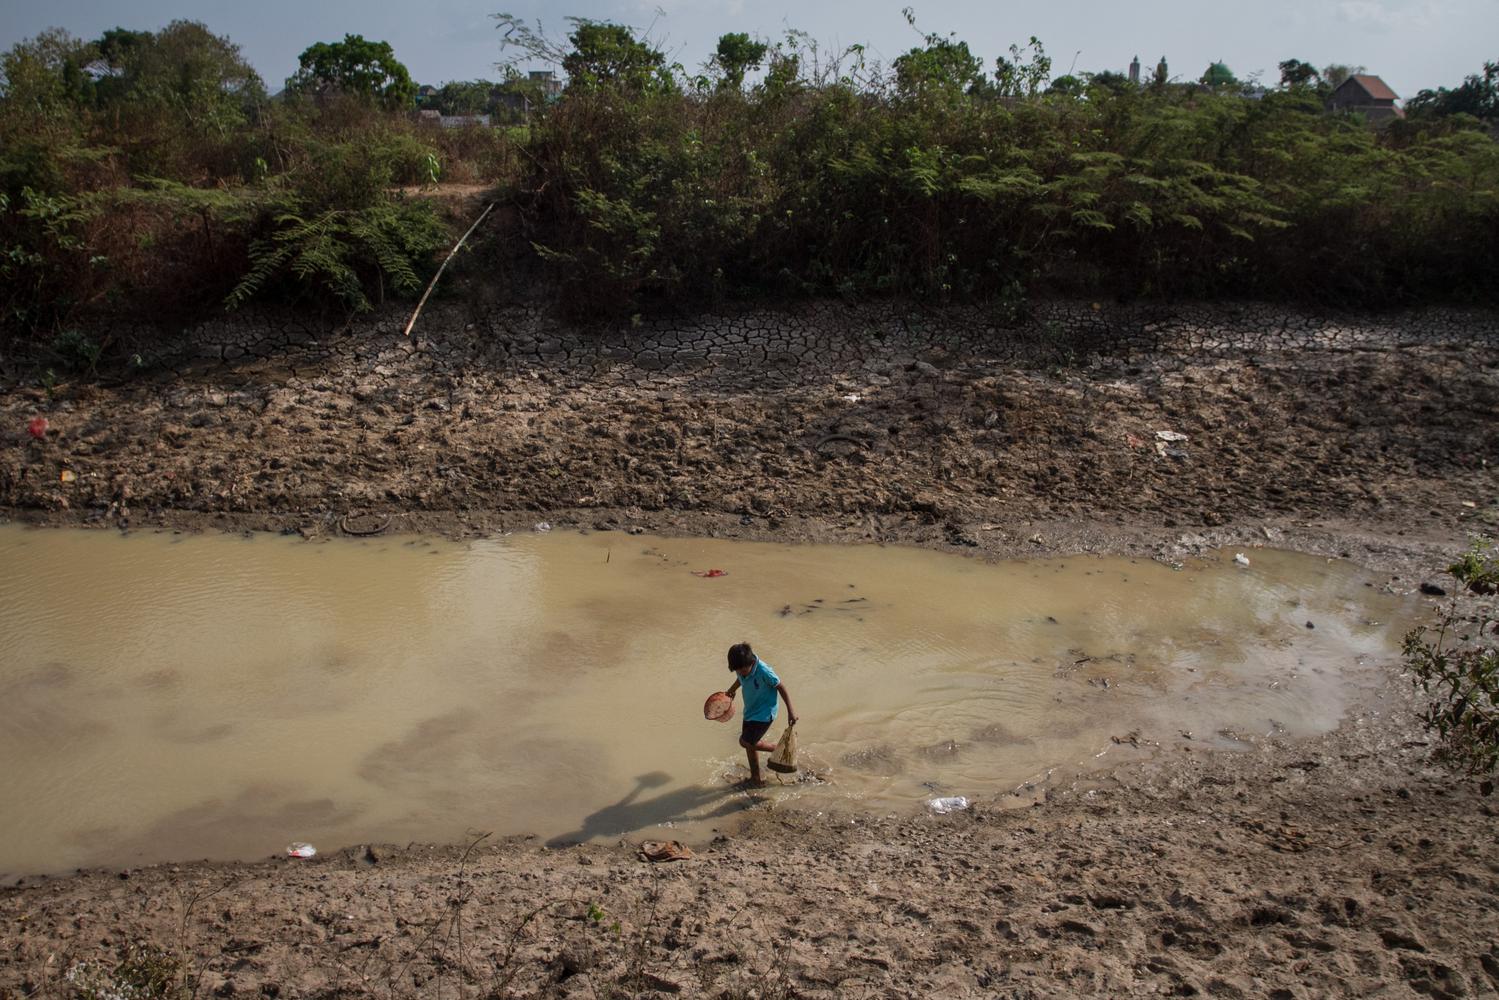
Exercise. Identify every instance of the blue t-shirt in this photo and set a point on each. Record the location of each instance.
(760, 693)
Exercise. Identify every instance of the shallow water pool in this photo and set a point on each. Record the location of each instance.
(168, 696)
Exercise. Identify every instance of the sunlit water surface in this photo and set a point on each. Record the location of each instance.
(176, 696)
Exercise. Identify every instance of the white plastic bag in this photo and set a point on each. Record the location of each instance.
(784, 757)
(951, 803)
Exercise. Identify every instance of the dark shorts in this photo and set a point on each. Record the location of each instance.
(754, 732)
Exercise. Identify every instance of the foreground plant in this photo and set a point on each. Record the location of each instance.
(1456, 663)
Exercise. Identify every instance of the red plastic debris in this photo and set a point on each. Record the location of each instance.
(37, 428)
(710, 573)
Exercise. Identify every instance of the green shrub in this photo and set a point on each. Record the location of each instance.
(1461, 674)
(345, 256)
(1478, 568)
(1457, 664)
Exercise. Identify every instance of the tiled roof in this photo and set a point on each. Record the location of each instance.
(1375, 87)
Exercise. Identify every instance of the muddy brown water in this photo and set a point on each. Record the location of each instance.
(170, 696)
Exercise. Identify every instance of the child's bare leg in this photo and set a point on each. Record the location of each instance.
(754, 761)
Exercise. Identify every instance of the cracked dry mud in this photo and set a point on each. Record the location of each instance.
(1346, 865)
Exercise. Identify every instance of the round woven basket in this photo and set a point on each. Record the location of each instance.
(719, 707)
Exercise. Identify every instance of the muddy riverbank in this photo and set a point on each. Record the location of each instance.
(1346, 865)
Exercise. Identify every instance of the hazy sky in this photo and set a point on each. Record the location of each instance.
(1412, 44)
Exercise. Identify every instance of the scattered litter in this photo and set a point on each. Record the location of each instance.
(363, 525)
(710, 574)
(852, 397)
(1469, 504)
(542, 527)
(300, 850)
(1241, 559)
(719, 707)
(67, 476)
(37, 428)
(946, 804)
(1172, 436)
(664, 850)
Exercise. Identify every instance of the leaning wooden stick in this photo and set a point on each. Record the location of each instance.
(451, 254)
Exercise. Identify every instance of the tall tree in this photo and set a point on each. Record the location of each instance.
(605, 55)
(1295, 73)
(184, 66)
(43, 76)
(941, 66)
(1478, 95)
(1023, 75)
(1336, 74)
(736, 55)
(365, 69)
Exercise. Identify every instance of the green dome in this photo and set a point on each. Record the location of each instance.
(1219, 75)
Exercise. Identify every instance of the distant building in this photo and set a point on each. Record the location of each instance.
(546, 81)
(1134, 71)
(465, 121)
(1219, 75)
(1366, 94)
(431, 116)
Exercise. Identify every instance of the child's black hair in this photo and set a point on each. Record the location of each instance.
(741, 656)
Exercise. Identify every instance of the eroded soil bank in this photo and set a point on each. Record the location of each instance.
(1349, 865)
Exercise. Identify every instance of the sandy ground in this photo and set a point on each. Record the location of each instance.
(1350, 865)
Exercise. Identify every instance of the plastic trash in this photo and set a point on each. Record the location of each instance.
(710, 574)
(543, 527)
(67, 476)
(664, 850)
(946, 804)
(300, 850)
(1241, 559)
(37, 428)
(718, 708)
(1170, 436)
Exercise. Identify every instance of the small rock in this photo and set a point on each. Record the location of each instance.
(1310, 625)
(1433, 588)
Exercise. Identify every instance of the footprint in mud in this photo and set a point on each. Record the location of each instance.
(881, 760)
(1433, 978)
(1191, 938)
(997, 734)
(946, 750)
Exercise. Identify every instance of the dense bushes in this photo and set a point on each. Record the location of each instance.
(148, 175)
(1456, 664)
(134, 189)
(943, 193)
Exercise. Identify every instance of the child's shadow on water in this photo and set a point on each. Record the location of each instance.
(631, 813)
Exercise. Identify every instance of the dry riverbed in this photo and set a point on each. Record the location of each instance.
(1348, 865)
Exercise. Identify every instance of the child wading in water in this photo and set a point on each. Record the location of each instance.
(760, 685)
